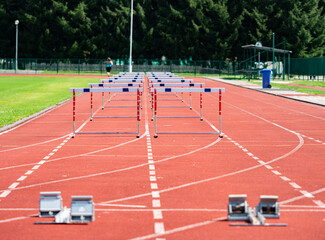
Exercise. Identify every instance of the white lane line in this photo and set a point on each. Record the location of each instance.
(250, 154)
(268, 167)
(41, 162)
(156, 203)
(47, 157)
(150, 161)
(5, 193)
(295, 185)
(153, 185)
(155, 194)
(307, 194)
(55, 150)
(256, 158)
(153, 178)
(22, 178)
(152, 167)
(276, 172)
(319, 203)
(261, 162)
(245, 150)
(159, 228)
(59, 147)
(285, 178)
(52, 153)
(36, 167)
(29, 172)
(14, 185)
(152, 172)
(157, 214)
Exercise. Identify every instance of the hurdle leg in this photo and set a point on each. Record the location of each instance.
(220, 132)
(103, 101)
(109, 97)
(152, 106)
(201, 101)
(74, 113)
(138, 112)
(91, 104)
(190, 100)
(155, 136)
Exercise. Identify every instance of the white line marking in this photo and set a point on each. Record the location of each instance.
(318, 141)
(52, 153)
(155, 194)
(245, 150)
(22, 178)
(153, 178)
(62, 144)
(152, 167)
(256, 158)
(152, 172)
(14, 185)
(307, 194)
(295, 185)
(276, 172)
(150, 161)
(159, 228)
(268, 166)
(55, 150)
(153, 185)
(156, 203)
(41, 162)
(150, 158)
(29, 172)
(47, 157)
(285, 178)
(5, 193)
(59, 147)
(157, 214)
(261, 162)
(319, 203)
(250, 154)
(36, 167)
(121, 205)
(301, 197)
(149, 150)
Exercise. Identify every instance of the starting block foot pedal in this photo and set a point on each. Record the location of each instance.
(50, 204)
(238, 209)
(82, 209)
(268, 206)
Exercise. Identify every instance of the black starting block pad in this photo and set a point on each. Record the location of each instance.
(238, 209)
(268, 206)
(50, 204)
(82, 209)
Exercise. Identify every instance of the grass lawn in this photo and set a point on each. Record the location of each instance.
(21, 96)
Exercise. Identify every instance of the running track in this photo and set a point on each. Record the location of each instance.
(173, 186)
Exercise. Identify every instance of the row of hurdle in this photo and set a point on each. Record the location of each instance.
(158, 83)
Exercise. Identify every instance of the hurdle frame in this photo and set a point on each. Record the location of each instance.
(192, 90)
(92, 90)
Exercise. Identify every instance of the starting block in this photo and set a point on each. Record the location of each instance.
(81, 212)
(50, 204)
(268, 206)
(238, 209)
(82, 209)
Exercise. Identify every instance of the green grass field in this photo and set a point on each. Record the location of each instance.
(21, 97)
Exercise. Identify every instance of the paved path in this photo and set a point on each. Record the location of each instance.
(287, 93)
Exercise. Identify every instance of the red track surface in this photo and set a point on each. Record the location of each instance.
(191, 175)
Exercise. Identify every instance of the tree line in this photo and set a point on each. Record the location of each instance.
(197, 29)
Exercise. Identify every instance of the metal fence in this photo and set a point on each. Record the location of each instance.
(306, 68)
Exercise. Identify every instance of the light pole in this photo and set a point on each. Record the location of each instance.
(131, 33)
(16, 60)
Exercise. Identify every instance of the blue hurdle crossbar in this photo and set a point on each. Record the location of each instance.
(192, 90)
(130, 89)
(171, 80)
(122, 81)
(177, 84)
(115, 84)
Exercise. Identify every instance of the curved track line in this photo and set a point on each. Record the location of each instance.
(301, 197)
(180, 229)
(115, 171)
(79, 155)
(34, 144)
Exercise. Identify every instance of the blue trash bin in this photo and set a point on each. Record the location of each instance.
(266, 76)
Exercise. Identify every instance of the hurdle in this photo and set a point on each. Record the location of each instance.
(191, 90)
(155, 85)
(101, 90)
(117, 84)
